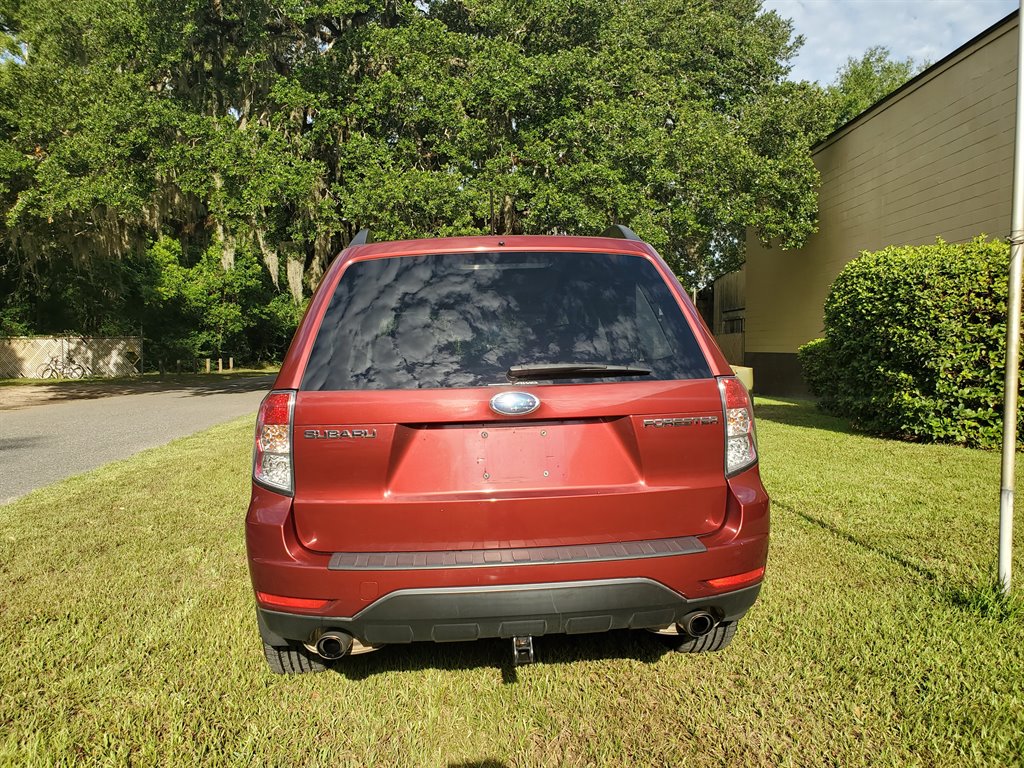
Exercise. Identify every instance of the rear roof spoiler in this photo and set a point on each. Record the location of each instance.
(622, 232)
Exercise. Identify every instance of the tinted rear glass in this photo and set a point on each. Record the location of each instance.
(461, 320)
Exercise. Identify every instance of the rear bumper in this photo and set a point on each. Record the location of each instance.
(470, 613)
(404, 597)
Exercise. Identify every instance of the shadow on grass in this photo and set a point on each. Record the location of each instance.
(800, 413)
(497, 653)
(894, 557)
(479, 764)
(987, 600)
(188, 384)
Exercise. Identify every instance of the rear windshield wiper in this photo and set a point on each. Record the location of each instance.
(574, 370)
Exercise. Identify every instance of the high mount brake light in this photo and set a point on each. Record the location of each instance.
(272, 455)
(740, 442)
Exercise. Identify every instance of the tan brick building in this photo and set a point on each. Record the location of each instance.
(933, 159)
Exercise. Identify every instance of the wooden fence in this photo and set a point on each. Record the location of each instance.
(731, 345)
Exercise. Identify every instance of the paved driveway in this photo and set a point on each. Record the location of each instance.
(47, 434)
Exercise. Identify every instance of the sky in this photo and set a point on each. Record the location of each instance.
(925, 30)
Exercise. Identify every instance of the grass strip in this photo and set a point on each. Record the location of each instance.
(128, 637)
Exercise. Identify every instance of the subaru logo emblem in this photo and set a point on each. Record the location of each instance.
(514, 403)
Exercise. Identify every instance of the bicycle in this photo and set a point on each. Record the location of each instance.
(62, 368)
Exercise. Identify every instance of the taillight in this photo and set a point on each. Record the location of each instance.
(740, 445)
(272, 457)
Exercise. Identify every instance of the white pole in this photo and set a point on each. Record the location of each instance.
(1013, 331)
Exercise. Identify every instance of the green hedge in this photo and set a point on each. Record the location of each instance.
(915, 343)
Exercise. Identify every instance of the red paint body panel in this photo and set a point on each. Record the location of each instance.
(279, 564)
(437, 469)
(608, 478)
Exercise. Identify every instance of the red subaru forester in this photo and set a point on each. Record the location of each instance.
(502, 437)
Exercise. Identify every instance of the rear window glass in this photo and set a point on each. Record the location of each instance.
(461, 320)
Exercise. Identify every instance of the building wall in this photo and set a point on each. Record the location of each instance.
(933, 160)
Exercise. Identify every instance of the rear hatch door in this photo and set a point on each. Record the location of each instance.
(398, 449)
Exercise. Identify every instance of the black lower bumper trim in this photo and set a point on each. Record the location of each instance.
(469, 558)
(469, 613)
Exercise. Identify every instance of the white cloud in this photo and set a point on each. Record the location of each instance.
(925, 30)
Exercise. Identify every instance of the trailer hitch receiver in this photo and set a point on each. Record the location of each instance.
(522, 650)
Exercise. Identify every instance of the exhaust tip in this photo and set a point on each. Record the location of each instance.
(698, 623)
(333, 644)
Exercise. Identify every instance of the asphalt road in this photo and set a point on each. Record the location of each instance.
(47, 441)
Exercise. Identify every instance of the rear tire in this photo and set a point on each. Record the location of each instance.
(715, 640)
(292, 659)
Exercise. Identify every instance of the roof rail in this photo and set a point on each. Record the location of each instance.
(362, 237)
(622, 232)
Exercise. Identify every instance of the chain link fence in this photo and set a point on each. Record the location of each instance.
(37, 357)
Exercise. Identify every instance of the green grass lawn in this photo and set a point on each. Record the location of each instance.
(128, 635)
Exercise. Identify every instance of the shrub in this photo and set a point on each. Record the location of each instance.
(915, 342)
(815, 360)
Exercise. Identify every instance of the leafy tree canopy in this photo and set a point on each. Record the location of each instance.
(859, 83)
(275, 129)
